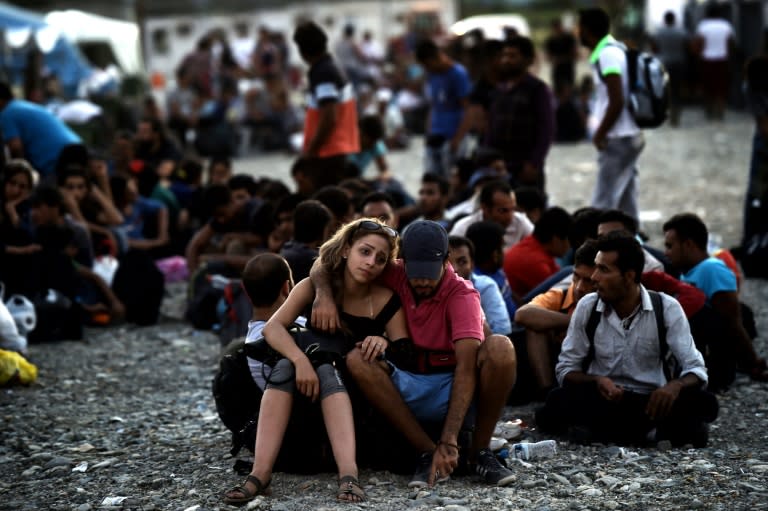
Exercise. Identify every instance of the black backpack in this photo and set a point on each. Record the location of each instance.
(305, 448)
(648, 87)
(237, 396)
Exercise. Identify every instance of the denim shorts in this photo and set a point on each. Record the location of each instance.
(427, 395)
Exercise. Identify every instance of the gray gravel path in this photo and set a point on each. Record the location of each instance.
(127, 414)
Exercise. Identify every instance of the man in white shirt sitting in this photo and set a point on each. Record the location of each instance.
(616, 384)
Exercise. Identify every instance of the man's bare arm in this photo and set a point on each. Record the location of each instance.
(325, 314)
(612, 113)
(463, 390)
(539, 319)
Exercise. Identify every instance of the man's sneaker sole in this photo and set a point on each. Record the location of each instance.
(506, 481)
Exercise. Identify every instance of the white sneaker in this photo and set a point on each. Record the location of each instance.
(509, 430)
(496, 443)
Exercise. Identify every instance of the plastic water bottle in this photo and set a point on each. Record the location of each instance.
(533, 451)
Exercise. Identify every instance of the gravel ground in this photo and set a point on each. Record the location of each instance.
(127, 413)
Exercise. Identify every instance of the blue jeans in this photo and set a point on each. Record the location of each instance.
(438, 159)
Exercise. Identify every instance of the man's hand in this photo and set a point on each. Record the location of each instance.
(306, 378)
(609, 390)
(600, 140)
(325, 315)
(662, 400)
(445, 459)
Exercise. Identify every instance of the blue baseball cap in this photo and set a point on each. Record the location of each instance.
(424, 249)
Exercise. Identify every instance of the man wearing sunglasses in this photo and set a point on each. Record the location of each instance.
(453, 372)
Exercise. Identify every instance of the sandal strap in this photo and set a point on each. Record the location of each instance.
(349, 480)
(348, 485)
(260, 487)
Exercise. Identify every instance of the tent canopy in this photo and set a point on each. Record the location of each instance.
(23, 31)
(121, 36)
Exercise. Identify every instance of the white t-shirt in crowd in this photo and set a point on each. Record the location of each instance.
(715, 33)
(612, 57)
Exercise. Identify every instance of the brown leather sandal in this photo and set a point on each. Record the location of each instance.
(247, 495)
(350, 490)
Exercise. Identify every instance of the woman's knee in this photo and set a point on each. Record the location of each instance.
(282, 377)
(330, 380)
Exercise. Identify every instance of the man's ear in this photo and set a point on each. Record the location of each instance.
(286, 289)
(629, 276)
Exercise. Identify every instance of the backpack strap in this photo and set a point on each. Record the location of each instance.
(562, 300)
(590, 329)
(658, 310)
(631, 64)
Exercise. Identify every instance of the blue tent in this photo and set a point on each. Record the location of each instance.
(62, 59)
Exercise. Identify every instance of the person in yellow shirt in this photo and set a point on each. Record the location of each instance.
(546, 317)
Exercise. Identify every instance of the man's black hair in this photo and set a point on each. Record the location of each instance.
(47, 195)
(585, 222)
(377, 197)
(616, 215)
(442, 183)
(156, 125)
(484, 156)
(310, 39)
(462, 241)
(585, 254)
(530, 197)
(713, 11)
(272, 190)
(595, 20)
(523, 44)
(491, 188)
(215, 197)
(243, 182)
(426, 50)
(356, 188)
(688, 226)
(335, 199)
(223, 160)
(301, 166)
(189, 171)
(6, 94)
(630, 253)
(492, 49)
(554, 222)
(310, 218)
(371, 126)
(263, 278)
(72, 171)
(669, 18)
(488, 238)
(288, 203)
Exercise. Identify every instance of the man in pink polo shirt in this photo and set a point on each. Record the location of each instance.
(454, 365)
